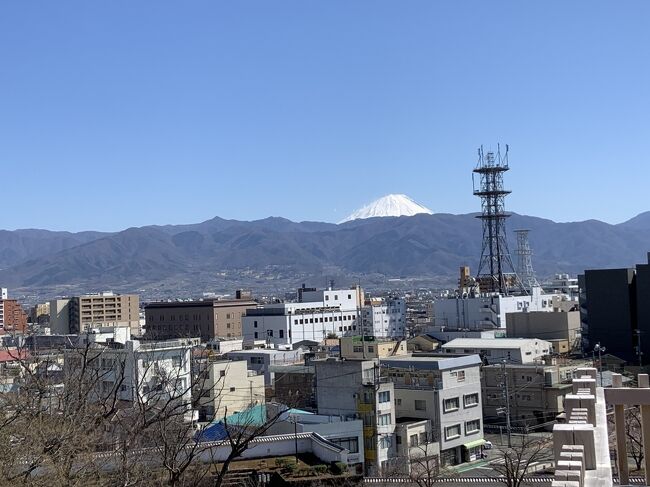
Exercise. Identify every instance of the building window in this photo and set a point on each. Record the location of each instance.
(384, 396)
(451, 404)
(256, 335)
(357, 349)
(327, 298)
(420, 405)
(232, 389)
(222, 373)
(281, 333)
(371, 349)
(452, 432)
(398, 401)
(295, 322)
(470, 400)
(270, 332)
(413, 440)
(473, 426)
(385, 442)
(350, 444)
(255, 323)
(383, 419)
(349, 296)
(461, 376)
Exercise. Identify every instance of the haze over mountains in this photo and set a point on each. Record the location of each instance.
(420, 245)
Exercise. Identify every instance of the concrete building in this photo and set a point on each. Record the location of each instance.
(295, 385)
(495, 350)
(261, 360)
(423, 343)
(487, 311)
(342, 431)
(418, 453)
(547, 326)
(82, 313)
(231, 388)
(12, 316)
(354, 389)
(141, 371)
(447, 392)
(318, 315)
(353, 348)
(39, 314)
(563, 284)
(615, 311)
(536, 392)
(384, 318)
(446, 334)
(209, 319)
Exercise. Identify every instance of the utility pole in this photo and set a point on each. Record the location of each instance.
(506, 388)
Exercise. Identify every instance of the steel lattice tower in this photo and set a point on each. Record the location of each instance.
(524, 261)
(495, 271)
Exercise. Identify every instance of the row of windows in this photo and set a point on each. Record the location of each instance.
(471, 427)
(327, 319)
(453, 403)
(336, 297)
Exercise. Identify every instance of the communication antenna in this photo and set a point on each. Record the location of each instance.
(495, 271)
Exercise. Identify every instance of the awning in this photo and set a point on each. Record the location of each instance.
(474, 444)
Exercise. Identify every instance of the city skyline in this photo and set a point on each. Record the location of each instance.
(310, 112)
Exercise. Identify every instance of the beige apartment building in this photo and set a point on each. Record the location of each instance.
(231, 388)
(83, 313)
(209, 319)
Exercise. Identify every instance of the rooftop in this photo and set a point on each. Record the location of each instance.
(213, 303)
(431, 362)
(492, 342)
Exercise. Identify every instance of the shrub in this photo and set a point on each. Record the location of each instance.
(290, 467)
(320, 469)
(281, 462)
(303, 472)
(339, 468)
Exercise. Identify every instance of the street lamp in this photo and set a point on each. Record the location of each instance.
(598, 349)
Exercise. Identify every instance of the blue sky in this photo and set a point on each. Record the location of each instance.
(169, 112)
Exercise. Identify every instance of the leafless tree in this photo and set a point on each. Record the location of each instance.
(513, 463)
(75, 424)
(633, 435)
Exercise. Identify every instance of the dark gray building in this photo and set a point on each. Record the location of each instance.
(615, 311)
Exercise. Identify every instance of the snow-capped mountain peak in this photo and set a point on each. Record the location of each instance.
(389, 205)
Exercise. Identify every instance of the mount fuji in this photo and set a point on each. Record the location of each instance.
(389, 205)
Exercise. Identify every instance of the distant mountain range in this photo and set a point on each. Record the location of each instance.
(420, 245)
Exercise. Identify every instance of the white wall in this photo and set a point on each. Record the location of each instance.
(486, 312)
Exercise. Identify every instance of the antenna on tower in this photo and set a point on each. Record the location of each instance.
(495, 271)
(524, 261)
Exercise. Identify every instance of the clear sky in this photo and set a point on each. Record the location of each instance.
(126, 113)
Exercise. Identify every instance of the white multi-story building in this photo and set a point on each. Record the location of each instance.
(384, 318)
(563, 283)
(496, 350)
(3, 296)
(139, 371)
(447, 392)
(487, 311)
(317, 315)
